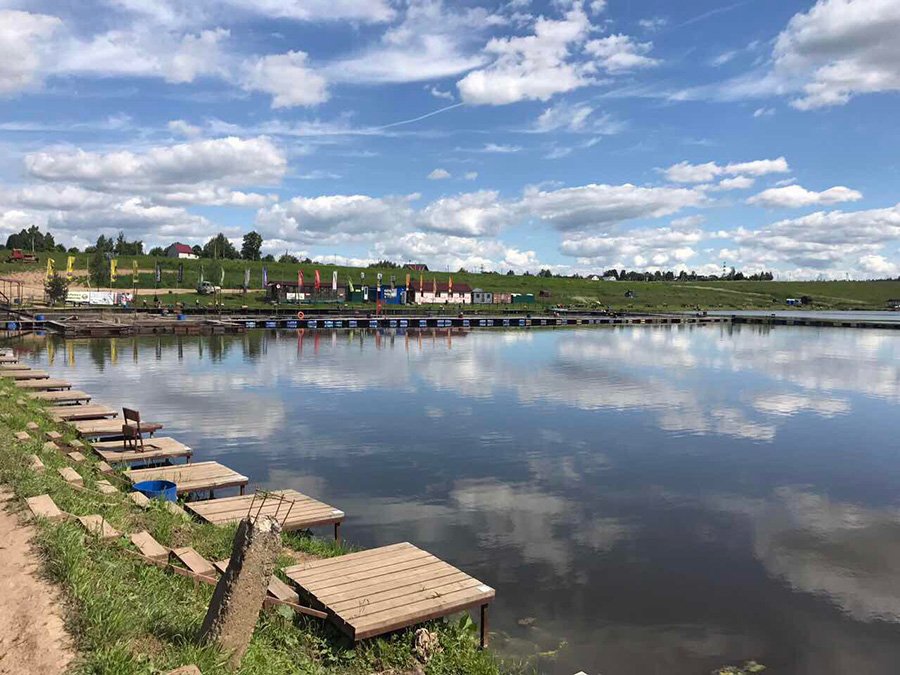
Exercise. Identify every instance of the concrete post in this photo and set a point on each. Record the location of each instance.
(241, 591)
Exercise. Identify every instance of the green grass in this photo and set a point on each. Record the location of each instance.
(650, 296)
(130, 617)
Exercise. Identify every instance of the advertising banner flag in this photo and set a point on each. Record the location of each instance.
(334, 280)
(299, 281)
(70, 267)
(265, 276)
(49, 267)
(450, 286)
(180, 272)
(158, 272)
(113, 270)
(318, 280)
(134, 272)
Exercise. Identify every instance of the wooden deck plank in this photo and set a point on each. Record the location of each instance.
(43, 506)
(195, 477)
(25, 374)
(71, 396)
(5, 365)
(100, 428)
(47, 384)
(153, 449)
(381, 590)
(66, 413)
(305, 511)
(195, 562)
(97, 525)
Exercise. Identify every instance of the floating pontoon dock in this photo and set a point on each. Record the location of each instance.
(197, 477)
(26, 374)
(72, 396)
(67, 413)
(5, 367)
(105, 428)
(295, 511)
(43, 385)
(154, 449)
(384, 589)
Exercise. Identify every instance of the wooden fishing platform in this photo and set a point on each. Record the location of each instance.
(196, 477)
(26, 374)
(388, 588)
(154, 449)
(8, 359)
(71, 396)
(66, 413)
(295, 511)
(48, 384)
(106, 428)
(4, 366)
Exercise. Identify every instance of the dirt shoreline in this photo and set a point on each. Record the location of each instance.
(33, 637)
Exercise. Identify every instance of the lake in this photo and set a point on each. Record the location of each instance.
(644, 499)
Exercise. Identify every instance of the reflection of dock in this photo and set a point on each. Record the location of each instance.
(813, 321)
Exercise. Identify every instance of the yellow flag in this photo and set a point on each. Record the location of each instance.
(134, 272)
(70, 353)
(113, 350)
(51, 351)
(70, 267)
(49, 267)
(113, 270)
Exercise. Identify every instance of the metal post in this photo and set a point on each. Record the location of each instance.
(484, 626)
(337, 533)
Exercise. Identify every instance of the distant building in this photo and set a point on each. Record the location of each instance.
(177, 250)
(894, 303)
(523, 298)
(480, 297)
(794, 302)
(289, 291)
(441, 294)
(416, 267)
(593, 277)
(610, 277)
(502, 298)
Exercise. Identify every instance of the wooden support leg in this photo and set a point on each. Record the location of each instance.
(484, 626)
(242, 489)
(337, 533)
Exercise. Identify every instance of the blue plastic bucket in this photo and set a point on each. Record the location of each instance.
(39, 317)
(158, 489)
(181, 317)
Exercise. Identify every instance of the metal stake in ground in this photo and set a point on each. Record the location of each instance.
(241, 591)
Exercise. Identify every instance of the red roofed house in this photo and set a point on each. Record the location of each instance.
(177, 250)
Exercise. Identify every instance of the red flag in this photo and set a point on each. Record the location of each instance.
(318, 280)
(450, 286)
(299, 281)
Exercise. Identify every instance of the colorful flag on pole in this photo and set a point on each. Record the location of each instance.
(334, 280)
(180, 272)
(265, 276)
(49, 268)
(201, 274)
(113, 270)
(421, 282)
(222, 276)
(450, 286)
(158, 272)
(407, 281)
(434, 285)
(350, 284)
(300, 281)
(318, 280)
(246, 278)
(70, 267)
(134, 272)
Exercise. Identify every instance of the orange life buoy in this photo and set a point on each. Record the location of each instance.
(300, 315)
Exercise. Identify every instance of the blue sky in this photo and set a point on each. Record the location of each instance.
(499, 135)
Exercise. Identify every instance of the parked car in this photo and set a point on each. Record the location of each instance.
(208, 288)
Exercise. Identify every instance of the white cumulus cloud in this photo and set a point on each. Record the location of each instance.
(795, 196)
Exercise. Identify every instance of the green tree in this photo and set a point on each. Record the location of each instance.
(31, 239)
(56, 288)
(125, 247)
(219, 247)
(98, 267)
(251, 246)
(157, 251)
(288, 258)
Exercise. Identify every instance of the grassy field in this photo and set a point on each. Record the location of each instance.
(129, 617)
(575, 293)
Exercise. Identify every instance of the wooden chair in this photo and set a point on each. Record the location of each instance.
(132, 435)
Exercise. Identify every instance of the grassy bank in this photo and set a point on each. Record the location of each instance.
(648, 296)
(130, 617)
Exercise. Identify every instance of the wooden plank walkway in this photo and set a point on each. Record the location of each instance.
(46, 384)
(8, 359)
(384, 589)
(4, 366)
(106, 428)
(71, 396)
(153, 449)
(303, 513)
(26, 374)
(64, 413)
(197, 477)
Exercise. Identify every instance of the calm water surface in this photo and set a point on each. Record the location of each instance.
(644, 500)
